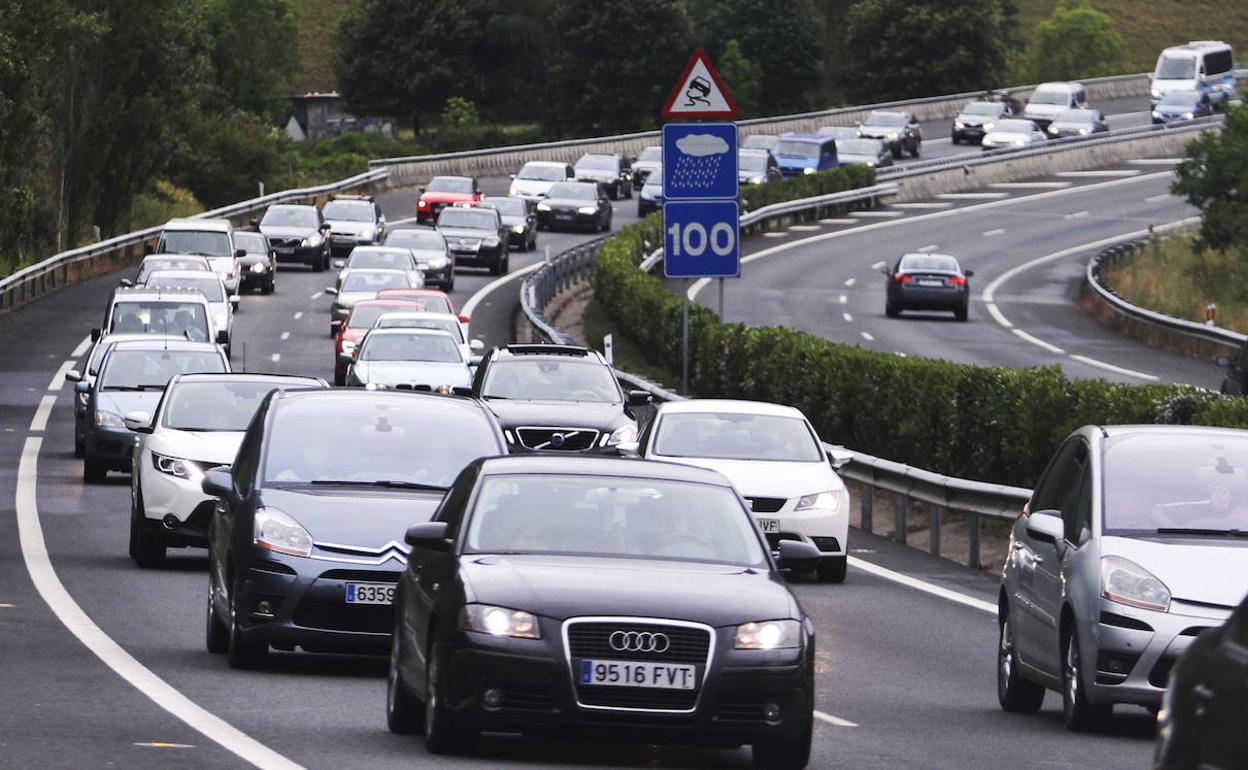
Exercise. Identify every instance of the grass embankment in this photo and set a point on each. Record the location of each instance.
(1172, 278)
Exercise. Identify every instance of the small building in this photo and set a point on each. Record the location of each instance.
(321, 115)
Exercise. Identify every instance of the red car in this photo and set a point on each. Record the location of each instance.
(432, 300)
(363, 315)
(444, 191)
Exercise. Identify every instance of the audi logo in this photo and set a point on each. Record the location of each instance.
(639, 641)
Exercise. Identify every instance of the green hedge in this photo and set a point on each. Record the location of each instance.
(809, 186)
(994, 424)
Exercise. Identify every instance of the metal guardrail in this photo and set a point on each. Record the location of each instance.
(544, 284)
(63, 268)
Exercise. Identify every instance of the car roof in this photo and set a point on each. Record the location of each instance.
(213, 225)
(118, 337)
(406, 330)
(421, 314)
(416, 399)
(172, 255)
(163, 342)
(556, 163)
(375, 248)
(375, 270)
(1113, 431)
(244, 377)
(547, 352)
(452, 176)
(147, 294)
(587, 465)
(198, 275)
(917, 254)
(384, 301)
(729, 406)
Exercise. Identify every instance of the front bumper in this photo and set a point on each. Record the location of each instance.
(341, 243)
(441, 277)
(110, 446)
(251, 279)
(178, 506)
(556, 218)
(969, 133)
(306, 255)
(478, 257)
(827, 530)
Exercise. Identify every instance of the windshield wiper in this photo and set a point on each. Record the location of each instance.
(129, 388)
(1202, 531)
(383, 483)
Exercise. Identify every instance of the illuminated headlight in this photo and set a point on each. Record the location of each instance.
(1083, 132)
(517, 229)
(1188, 115)
(306, 242)
(173, 466)
(959, 124)
(1020, 143)
(769, 635)
(988, 126)
(808, 170)
(275, 531)
(1126, 582)
(1053, 129)
(893, 135)
(437, 263)
(376, 386)
(626, 434)
(499, 621)
(422, 204)
(366, 234)
(1156, 93)
(1156, 114)
(819, 501)
(543, 206)
(490, 243)
(587, 210)
(108, 419)
(259, 267)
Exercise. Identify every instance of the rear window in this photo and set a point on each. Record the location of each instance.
(184, 319)
(914, 262)
(152, 369)
(373, 281)
(451, 184)
(209, 286)
(982, 108)
(473, 219)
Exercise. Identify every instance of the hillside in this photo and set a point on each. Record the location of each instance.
(318, 26)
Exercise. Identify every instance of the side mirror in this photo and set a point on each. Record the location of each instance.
(638, 398)
(968, 273)
(340, 264)
(223, 337)
(218, 483)
(95, 335)
(1046, 526)
(234, 300)
(839, 457)
(82, 387)
(430, 534)
(73, 375)
(346, 358)
(331, 291)
(139, 422)
(1222, 361)
(797, 555)
(240, 253)
(476, 345)
(127, 282)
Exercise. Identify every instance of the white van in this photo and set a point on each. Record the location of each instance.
(1203, 65)
(1052, 99)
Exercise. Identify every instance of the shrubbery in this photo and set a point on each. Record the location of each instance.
(847, 178)
(994, 424)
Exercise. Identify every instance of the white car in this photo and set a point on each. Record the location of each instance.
(536, 178)
(408, 358)
(1013, 133)
(423, 319)
(774, 458)
(198, 425)
(220, 304)
(209, 238)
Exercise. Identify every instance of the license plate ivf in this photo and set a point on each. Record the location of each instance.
(931, 283)
(619, 673)
(370, 593)
(769, 526)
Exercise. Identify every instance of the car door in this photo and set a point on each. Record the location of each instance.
(1057, 561)
(228, 513)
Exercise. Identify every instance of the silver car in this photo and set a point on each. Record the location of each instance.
(1134, 542)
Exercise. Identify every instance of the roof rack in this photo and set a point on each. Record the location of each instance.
(341, 197)
(546, 349)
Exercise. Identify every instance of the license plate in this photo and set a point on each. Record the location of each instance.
(563, 216)
(620, 673)
(370, 593)
(769, 526)
(931, 283)
(283, 249)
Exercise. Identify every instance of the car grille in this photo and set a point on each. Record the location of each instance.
(592, 640)
(340, 616)
(561, 439)
(766, 504)
(284, 243)
(463, 244)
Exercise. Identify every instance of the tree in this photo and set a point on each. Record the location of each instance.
(1076, 41)
(903, 49)
(1214, 178)
(255, 50)
(741, 77)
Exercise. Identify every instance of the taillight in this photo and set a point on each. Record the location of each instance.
(902, 278)
(956, 280)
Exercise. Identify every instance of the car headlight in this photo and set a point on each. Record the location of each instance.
(499, 621)
(108, 419)
(437, 263)
(893, 135)
(490, 243)
(1156, 93)
(306, 242)
(808, 170)
(1188, 115)
(366, 234)
(275, 531)
(769, 635)
(517, 229)
(819, 501)
(1156, 114)
(1020, 143)
(1053, 129)
(626, 434)
(543, 206)
(259, 267)
(988, 126)
(375, 385)
(587, 210)
(1083, 132)
(422, 204)
(1126, 582)
(959, 124)
(175, 466)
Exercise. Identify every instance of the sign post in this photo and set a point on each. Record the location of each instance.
(701, 215)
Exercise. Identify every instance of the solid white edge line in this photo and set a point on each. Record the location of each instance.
(40, 423)
(83, 347)
(58, 379)
(1111, 368)
(825, 717)
(920, 585)
(996, 315)
(485, 290)
(992, 233)
(48, 584)
(1037, 341)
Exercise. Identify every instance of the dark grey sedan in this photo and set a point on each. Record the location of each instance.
(922, 281)
(1083, 122)
(518, 218)
(869, 152)
(575, 205)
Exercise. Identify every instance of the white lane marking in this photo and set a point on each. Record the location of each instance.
(83, 347)
(701, 283)
(850, 282)
(923, 205)
(58, 379)
(48, 584)
(774, 234)
(485, 291)
(921, 585)
(40, 423)
(403, 221)
(843, 299)
(1118, 369)
(298, 315)
(1159, 198)
(928, 248)
(284, 336)
(317, 296)
(884, 213)
(991, 233)
(805, 228)
(822, 717)
(878, 265)
(1155, 161)
(275, 357)
(996, 314)
(1030, 185)
(867, 336)
(1037, 341)
(973, 196)
(849, 319)
(1099, 173)
(1075, 215)
(838, 221)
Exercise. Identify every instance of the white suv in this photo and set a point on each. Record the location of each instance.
(199, 424)
(774, 458)
(220, 304)
(209, 238)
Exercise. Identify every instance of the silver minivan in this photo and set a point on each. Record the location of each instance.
(1205, 66)
(1051, 99)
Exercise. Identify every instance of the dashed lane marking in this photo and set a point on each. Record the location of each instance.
(284, 336)
(884, 213)
(993, 233)
(1075, 215)
(317, 296)
(878, 265)
(275, 357)
(1155, 161)
(822, 717)
(1104, 172)
(83, 347)
(843, 299)
(1030, 185)
(850, 282)
(774, 234)
(928, 248)
(849, 319)
(867, 336)
(58, 379)
(974, 196)
(298, 315)
(838, 221)
(922, 585)
(923, 205)
(804, 228)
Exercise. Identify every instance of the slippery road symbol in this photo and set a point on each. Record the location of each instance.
(699, 89)
(699, 161)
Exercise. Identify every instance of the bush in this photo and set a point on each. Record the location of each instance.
(808, 186)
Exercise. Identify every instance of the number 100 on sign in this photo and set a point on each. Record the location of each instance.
(701, 239)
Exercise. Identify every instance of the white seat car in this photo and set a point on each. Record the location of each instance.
(209, 238)
(220, 304)
(198, 425)
(408, 358)
(423, 319)
(774, 458)
(536, 178)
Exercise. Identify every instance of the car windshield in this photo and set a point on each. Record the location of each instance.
(411, 347)
(512, 207)
(858, 147)
(209, 286)
(760, 142)
(429, 302)
(369, 440)
(1077, 116)
(365, 316)
(183, 319)
(728, 436)
(155, 264)
(348, 211)
(472, 219)
(151, 369)
(451, 184)
(542, 172)
(749, 162)
(208, 243)
(1175, 481)
(397, 321)
(252, 243)
(393, 259)
(372, 281)
(411, 238)
(1176, 68)
(290, 216)
(1050, 96)
(1180, 99)
(885, 119)
(1015, 127)
(600, 162)
(612, 516)
(574, 191)
(651, 154)
(551, 380)
(797, 148)
(982, 108)
(221, 405)
(912, 262)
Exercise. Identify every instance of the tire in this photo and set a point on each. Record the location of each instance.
(956, 139)
(216, 633)
(268, 287)
(831, 569)
(242, 653)
(93, 471)
(146, 547)
(784, 754)
(496, 267)
(442, 736)
(449, 285)
(628, 191)
(891, 310)
(914, 152)
(506, 263)
(80, 447)
(961, 313)
(1077, 713)
(896, 151)
(614, 194)
(405, 714)
(1014, 693)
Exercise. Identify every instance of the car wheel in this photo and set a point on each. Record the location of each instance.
(896, 152)
(148, 550)
(914, 152)
(268, 287)
(956, 139)
(891, 310)
(448, 285)
(496, 267)
(961, 313)
(614, 193)
(1078, 714)
(243, 653)
(785, 754)
(93, 471)
(628, 191)
(405, 714)
(80, 447)
(1013, 692)
(216, 633)
(832, 569)
(442, 736)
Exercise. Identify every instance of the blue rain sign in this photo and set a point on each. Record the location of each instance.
(701, 239)
(699, 161)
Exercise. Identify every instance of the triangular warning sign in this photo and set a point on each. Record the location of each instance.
(700, 93)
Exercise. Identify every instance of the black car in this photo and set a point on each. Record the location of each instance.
(924, 281)
(575, 205)
(354, 220)
(476, 236)
(558, 398)
(619, 599)
(297, 233)
(1078, 122)
(613, 172)
(518, 218)
(899, 130)
(1205, 708)
(1235, 383)
(870, 152)
(307, 543)
(978, 118)
(259, 266)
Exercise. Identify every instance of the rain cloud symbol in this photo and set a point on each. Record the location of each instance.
(699, 161)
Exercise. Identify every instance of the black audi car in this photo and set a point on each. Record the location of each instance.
(558, 398)
(476, 236)
(575, 205)
(922, 281)
(259, 265)
(297, 233)
(619, 599)
(518, 218)
(307, 543)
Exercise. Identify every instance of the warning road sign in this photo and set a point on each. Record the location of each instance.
(700, 93)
